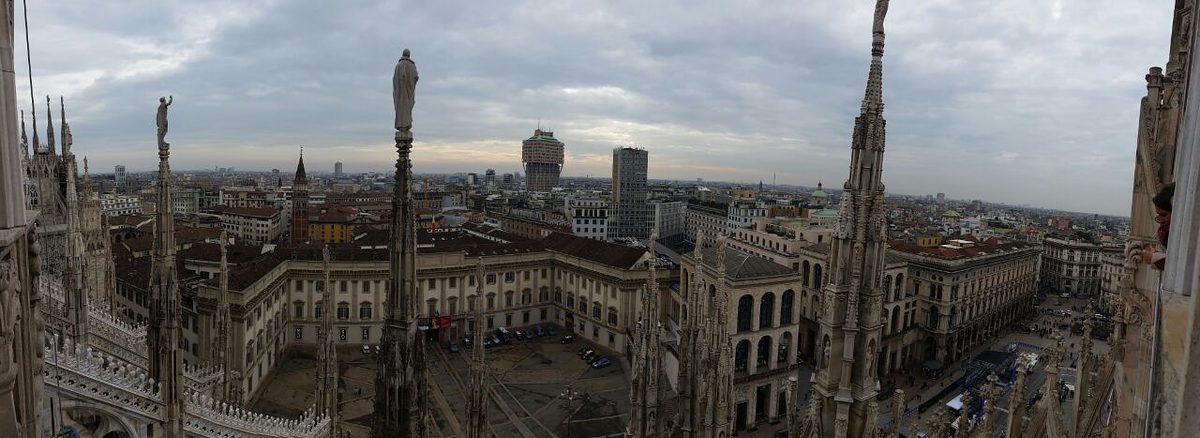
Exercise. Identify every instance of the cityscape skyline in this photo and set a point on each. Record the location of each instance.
(732, 98)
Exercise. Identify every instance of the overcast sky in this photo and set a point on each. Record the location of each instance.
(1023, 101)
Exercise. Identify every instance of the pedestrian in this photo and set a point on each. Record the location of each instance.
(1162, 214)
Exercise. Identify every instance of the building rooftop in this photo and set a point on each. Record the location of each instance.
(611, 254)
(742, 266)
(255, 212)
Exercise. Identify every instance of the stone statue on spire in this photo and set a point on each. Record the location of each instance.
(881, 8)
(161, 119)
(404, 85)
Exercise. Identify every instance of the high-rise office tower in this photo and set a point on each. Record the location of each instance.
(542, 155)
(119, 177)
(631, 212)
(337, 169)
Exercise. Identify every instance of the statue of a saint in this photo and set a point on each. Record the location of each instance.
(161, 119)
(404, 85)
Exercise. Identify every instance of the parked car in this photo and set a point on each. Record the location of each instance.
(592, 357)
(466, 341)
(487, 342)
(538, 331)
(551, 331)
(376, 349)
(566, 339)
(366, 349)
(601, 363)
(453, 347)
(521, 335)
(587, 353)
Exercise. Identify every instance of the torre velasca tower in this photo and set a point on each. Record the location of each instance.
(542, 155)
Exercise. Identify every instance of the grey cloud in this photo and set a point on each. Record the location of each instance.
(1016, 100)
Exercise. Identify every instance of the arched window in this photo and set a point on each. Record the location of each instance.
(596, 310)
(471, 302)
(364, 310)
(745, 310)
(526, 296)
(804, 272)
(491, 301)
(764, 351)
(612, 315)
(785, 307)
(785, 343)
(741, 355)
(570, 299)
(896, 319)
(899, 286)
(885, 318)
(816, 276)
(508, 298)
(887, 286)
(933, 318)
(766, 311)
(543, 294)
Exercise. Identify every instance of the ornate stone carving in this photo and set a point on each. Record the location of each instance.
(10, 311)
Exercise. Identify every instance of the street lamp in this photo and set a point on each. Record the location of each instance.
(568, 395)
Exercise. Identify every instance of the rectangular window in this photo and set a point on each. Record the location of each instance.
(508, 319)
(526, 274)
(491, 322)
(342, 286)
(543, 314)
(525, 317)
(491, 279)
(343, 312)
(471, 280)
(453, 282)
(509, 277)
(432, 283)
(364, 312)
(317, 311)
(367, 286)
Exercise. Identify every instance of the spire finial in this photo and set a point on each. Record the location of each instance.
(49, 127)
(24, 138)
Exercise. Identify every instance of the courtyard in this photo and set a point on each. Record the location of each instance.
(527, 379)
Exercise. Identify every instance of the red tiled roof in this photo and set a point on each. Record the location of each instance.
(991, 246)
(611, 254)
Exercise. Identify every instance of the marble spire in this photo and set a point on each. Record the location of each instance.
(477, 405)
(163, 332)
(49, 128)
(646, 391)
(221, 347)
(77, 296)
(850, 321)
(327, 368)
(401, 407)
